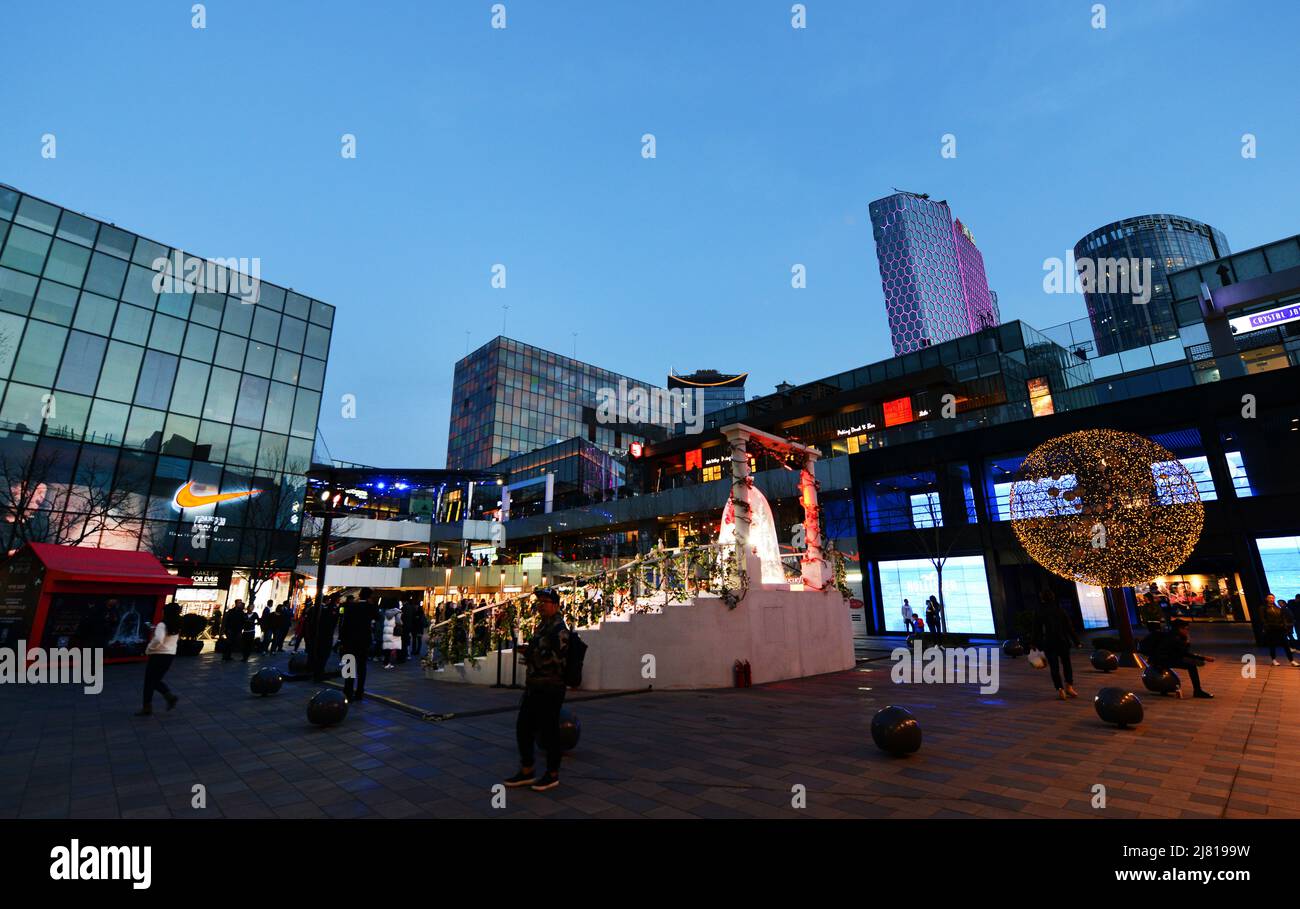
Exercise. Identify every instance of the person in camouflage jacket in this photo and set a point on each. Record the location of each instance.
(539, 711)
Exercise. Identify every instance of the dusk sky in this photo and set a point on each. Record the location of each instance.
(522, 146)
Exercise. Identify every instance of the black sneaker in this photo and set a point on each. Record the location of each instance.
(522, 778)
(171, 701)
(546, 781)
(1203, 694)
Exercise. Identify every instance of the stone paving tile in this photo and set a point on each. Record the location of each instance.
(730, 753)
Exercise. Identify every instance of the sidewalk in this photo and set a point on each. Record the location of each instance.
(726, 753)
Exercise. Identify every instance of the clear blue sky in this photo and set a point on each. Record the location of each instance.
(479, 146)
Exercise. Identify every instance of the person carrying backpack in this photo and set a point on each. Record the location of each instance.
(1276, 622)
(545, 655)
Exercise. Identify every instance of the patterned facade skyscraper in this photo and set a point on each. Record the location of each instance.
(931, 272)
(981, 303)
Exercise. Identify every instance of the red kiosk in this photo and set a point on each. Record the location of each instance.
(72, 596)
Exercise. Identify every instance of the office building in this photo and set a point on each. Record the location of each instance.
(931, 272)
(1160, 244)
(718, 390)
(510, 398)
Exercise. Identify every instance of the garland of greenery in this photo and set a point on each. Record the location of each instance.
(678, 576)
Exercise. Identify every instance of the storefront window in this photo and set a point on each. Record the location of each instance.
(967, 607)
(1281, 558)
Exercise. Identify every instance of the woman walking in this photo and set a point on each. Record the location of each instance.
(160, 651)
(392, 635)
(1053, 634)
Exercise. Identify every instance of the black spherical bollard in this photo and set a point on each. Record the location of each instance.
(570, 729)
(1115, 705)
(327, 707)
(1013, 648)
(1104, 661)
(895, 731)
(298, 664)
(266, 680)
(1161, 681)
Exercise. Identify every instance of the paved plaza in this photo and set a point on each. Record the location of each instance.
(658, 754)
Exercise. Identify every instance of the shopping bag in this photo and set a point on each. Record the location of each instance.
(1036, 659)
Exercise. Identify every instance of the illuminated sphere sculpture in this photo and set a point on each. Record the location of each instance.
(1108, 508)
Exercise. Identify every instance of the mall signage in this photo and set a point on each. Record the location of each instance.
(1266, 319)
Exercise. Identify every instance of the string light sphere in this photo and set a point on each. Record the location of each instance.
(1108, 508)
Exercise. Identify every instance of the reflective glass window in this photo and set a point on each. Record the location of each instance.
(25, 250)
(17, 291)
(39, 353)
(252, 401)
(132, 324)
(191, 383)
(157, 374)
(80, 369)
(230, 351)
(167, 333)
(55, 303)
(37, 214)
(223, 389)
(95, 313)
(121, 368)
(144, 429)
(77, 229)
(106, 275)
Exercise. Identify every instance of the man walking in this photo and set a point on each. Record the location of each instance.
(539, 711)
(355, 629)
(234, 629)
(1277, 622)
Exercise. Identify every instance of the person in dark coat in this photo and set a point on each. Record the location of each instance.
(249, 634)
(356, 628)
(1173, 650)
(1053, 633)
(544, 688)
(320, 624)
(234, 629)
(418, 624)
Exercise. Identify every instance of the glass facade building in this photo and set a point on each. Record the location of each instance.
(1169, 243)
(509, 398)
(177, 422)
(717, 390)
(931, 272)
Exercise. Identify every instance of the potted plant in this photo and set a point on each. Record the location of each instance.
(192, 625)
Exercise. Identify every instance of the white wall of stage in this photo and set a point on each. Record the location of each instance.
(783, 633)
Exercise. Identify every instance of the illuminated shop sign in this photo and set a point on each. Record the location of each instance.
(898, 411)
(695, 459)
(1266, 319)
(198, 495)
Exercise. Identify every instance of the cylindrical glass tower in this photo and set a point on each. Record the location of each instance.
(1168, 243)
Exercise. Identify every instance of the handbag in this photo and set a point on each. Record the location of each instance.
(1037, 659)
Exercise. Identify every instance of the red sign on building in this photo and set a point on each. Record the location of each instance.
(898, 411)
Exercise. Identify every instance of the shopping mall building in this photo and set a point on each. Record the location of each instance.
(918, 455)
(151, 399)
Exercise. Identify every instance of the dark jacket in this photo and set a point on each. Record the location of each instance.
(356, 627)
(1052, 628)
(1170, 649)
(547, 649)
(234, 622)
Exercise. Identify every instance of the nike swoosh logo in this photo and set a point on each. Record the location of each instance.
(187, 498)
